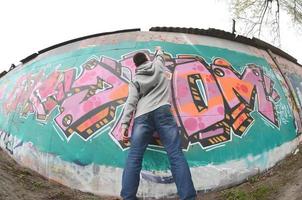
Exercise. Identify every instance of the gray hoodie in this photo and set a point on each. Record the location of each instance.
(148, 90)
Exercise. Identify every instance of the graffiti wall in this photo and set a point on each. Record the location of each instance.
(293, 76)
(60, 114)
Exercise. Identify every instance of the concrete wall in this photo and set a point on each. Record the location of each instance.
(237, 114)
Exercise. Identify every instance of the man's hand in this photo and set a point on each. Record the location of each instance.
(157, 48)
(125, 136)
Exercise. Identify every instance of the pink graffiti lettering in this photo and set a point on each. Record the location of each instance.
(209, 100)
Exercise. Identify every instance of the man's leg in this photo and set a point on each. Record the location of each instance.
(141, 135)
(168, 132)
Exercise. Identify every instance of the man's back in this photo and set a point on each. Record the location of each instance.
(154, 89)
(149, 89)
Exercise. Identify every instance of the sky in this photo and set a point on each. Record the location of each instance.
(31, 25)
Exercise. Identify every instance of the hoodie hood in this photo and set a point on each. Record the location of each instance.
(146, 68)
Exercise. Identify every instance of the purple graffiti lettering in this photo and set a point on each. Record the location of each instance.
(209, 100)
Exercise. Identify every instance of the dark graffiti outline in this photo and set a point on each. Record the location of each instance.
(101, 129)
(10, 142)
(98, 77)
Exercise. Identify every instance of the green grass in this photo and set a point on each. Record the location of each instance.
(260, 193)
(235, 194)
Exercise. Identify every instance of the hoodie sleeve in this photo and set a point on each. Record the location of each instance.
(130, 105)
(159, 58)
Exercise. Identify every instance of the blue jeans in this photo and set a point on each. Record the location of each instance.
(162, 121)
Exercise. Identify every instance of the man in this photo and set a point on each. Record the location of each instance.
(149, 95)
